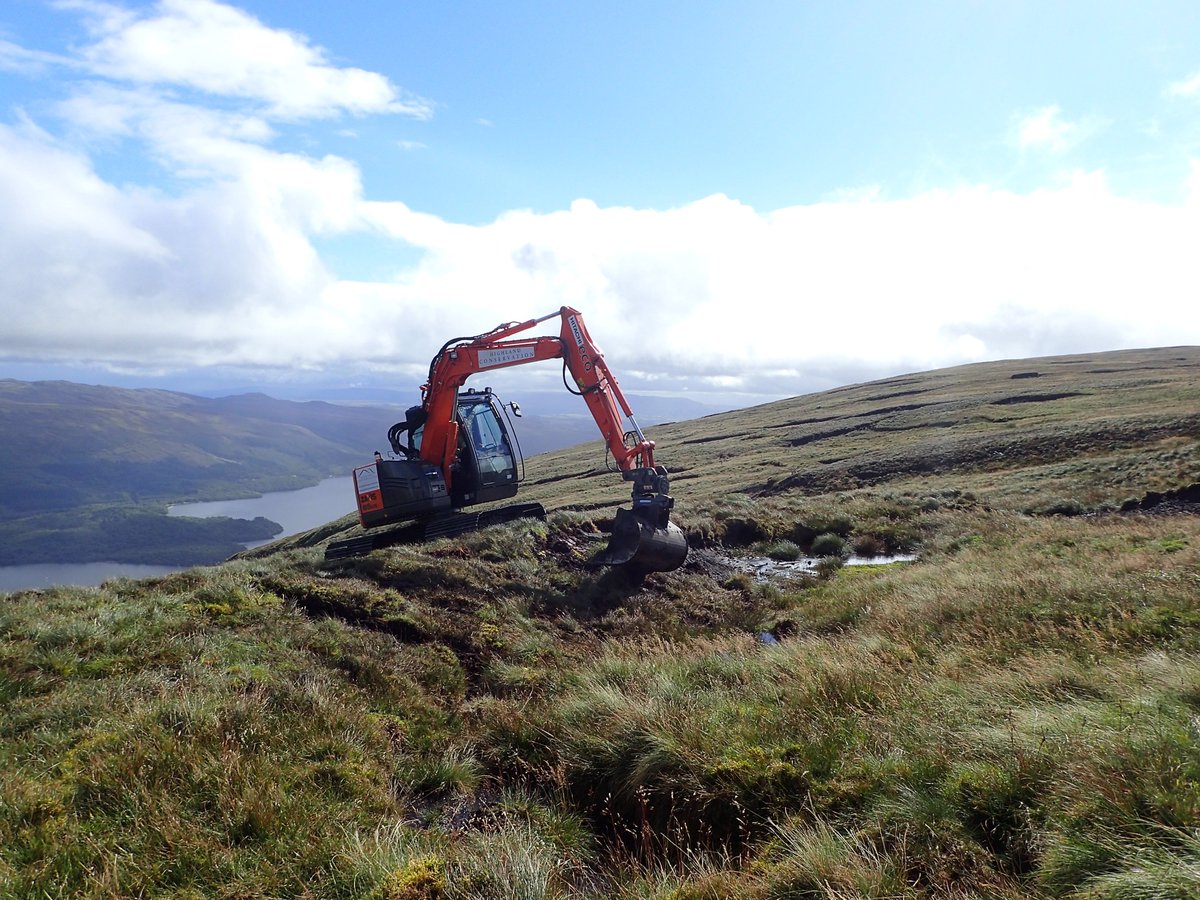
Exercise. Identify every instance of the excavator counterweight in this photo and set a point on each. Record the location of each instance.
(456, 450)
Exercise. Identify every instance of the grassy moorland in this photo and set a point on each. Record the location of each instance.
(1015, 714)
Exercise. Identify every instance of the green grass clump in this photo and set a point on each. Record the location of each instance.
(784, 551)
(829, 544)
(1058, 507)
(813, 858)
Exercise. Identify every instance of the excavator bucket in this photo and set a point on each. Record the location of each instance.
(642, 546)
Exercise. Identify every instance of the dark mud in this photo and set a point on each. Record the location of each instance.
(1036, 398)
(1182, 501)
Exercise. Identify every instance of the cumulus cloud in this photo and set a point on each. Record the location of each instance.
(221, 50)
(735, 296)
(713, 295)
(92, 271)
(1187, 87)
(1046, 129)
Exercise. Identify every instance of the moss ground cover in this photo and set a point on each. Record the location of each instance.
(1015, 714)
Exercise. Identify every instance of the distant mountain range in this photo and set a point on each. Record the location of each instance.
(65, 445)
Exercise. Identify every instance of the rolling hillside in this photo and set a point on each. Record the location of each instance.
(65, 445)
(1012, 714)
(1023, 434)
(86, 471)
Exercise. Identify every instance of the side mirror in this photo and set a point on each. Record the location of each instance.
(516, 409)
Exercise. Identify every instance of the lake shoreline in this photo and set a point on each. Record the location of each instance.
(293, 511)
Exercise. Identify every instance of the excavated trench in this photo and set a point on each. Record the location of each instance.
(978, 453)
(1184, 500)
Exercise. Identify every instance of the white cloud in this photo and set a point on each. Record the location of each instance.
(224, 270)
(88, 270)
(14, 58)
(220, 50)
(1188, 87)
(713, 295)
(720, 290)
(1193, 181)
(1046, 129)
(167, 125)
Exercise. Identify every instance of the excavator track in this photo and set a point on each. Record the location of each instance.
(447, 525)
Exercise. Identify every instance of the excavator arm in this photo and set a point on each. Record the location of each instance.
(644, 534)
(464, 357)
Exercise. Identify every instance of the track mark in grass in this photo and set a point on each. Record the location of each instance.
(1037, 398)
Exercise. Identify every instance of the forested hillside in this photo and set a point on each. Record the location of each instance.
(66, 445)
(86, 471)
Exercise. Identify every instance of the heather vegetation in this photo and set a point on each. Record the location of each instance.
(1013, 714)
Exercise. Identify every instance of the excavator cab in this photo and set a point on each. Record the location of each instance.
(486, 466)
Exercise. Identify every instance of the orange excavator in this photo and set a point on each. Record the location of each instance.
(458, 449)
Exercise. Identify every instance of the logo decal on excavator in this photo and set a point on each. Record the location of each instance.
(577, 333)
(366, 481)
(490, 358)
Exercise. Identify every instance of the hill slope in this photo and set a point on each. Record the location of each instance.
(85, 471)
(66, 445)
(1095, 429)
(1012, 715)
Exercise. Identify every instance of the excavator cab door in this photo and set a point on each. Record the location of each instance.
(486, 468)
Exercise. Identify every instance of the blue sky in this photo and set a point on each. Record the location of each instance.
(747, 200)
